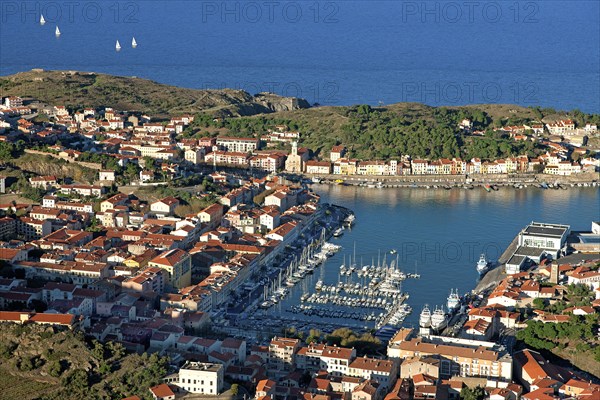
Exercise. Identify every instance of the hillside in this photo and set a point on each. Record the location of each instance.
(382, 132)
(388, 131)
(88, 89)
(45, 363)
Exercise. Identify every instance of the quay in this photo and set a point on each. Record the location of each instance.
(517, 181)
(483, 288)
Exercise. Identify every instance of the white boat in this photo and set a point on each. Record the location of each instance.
(118, 46)
(338, 232)
(393, 251)
(482, 265)
(425, 317)
(349, 220)
(453, 300)
(57, 31)
(133, 43)
(42, 20)
(439, 319)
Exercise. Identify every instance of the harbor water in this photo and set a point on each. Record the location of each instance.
(439, 234)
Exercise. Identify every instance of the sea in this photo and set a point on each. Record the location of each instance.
(439, 234)
(340, 52)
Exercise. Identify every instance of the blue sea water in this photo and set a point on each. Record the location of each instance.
(330, 52)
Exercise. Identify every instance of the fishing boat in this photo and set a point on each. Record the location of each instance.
(425, 317)
(439, 319)
(133, 43)
(42, 20)
(118, 46)
(453, 300)
(57, 31)
(338, 232)
(482, 265)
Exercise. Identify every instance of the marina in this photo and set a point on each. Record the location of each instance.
(370, 294)
(311, 292)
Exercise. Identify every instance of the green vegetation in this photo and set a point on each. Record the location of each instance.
(477, 393)
(364, 344)
(191, 204)
(384, 132)
(10, 151)
(124, 175)
(576, 339)
(45, 363)
(81, 89)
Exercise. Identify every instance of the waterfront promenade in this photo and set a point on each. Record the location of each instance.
(459, 180)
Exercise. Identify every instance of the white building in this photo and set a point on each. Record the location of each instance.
(199, 377)
(551, 237)
(240, 145)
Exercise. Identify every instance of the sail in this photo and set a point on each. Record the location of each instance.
(42, 20)
(118, 46)
(133, 43)
(57, 31)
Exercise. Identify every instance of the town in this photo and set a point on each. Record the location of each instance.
(162, 243)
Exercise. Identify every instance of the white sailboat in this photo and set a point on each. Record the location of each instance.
(42, 20)
(57, 31)
(133, 43)
(118, 46)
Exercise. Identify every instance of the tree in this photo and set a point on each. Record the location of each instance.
(235, 389)
(539, 304)
(477, 393)
(55, 368)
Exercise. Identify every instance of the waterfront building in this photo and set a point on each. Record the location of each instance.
(296, 159)
(536, 241)
(336, 153)
(551, 237)
(318, 167)
(345, 166)
(458, 357)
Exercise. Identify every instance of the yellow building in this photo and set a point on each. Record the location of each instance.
(178, 264)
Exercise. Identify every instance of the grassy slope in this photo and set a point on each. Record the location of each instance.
(48, 346)
(83, 89)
